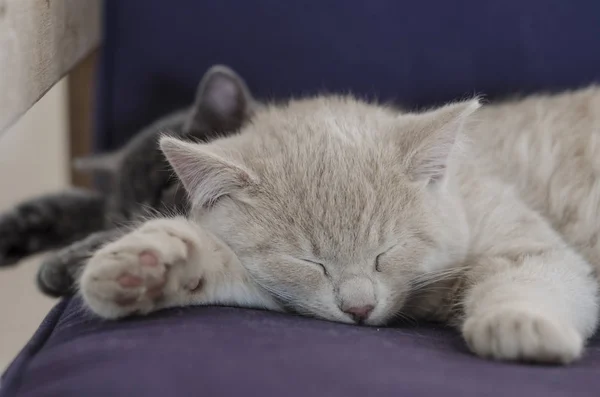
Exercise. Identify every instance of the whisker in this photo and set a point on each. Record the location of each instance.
(426, 279)
(405, 317)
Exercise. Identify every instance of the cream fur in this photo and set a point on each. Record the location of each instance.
(483, 218)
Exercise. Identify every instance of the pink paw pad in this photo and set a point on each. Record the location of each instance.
(148, 259)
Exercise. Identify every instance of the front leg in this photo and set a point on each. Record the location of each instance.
(531, 311)
(58, 272)
(531, 297)
(166, 263)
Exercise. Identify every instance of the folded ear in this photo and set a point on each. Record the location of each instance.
(223, 103)
(431, 136)
(206, 174)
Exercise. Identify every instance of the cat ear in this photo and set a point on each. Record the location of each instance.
(206, 174)
(223, 102)
(432, 136)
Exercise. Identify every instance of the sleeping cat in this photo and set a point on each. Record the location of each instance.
(483, 218)
(139, 180)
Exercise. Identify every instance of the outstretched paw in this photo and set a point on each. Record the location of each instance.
(144, 270)
(507, 333)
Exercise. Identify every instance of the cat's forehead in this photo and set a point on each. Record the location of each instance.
(323, 113)
(325, 151)
(325, 177)
(338, 131)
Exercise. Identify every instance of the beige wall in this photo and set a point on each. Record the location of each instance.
(33, 152)
(33, 160)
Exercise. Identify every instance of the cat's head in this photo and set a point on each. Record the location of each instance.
(335, 206)
(137, 174)
(210, 116)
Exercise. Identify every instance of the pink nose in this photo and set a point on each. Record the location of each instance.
(359, 313)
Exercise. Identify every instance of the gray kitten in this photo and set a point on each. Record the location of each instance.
(139, 181)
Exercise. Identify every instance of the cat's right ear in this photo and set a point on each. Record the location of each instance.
(206, 173)
(223, 103)
(430, 137)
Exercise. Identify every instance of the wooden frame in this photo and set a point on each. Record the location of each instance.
(81, 97)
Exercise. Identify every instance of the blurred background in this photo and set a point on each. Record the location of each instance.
(129, 62)
(47, 61)
(40, 135)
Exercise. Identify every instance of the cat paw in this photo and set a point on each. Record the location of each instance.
(523, 335)
(143, 270)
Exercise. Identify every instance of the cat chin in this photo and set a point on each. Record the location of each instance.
(380, 320)
(336, 318)
(374, 321)
(347, 320)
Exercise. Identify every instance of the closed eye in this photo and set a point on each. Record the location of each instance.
(320, 265)
(378, 259)
(377, 266)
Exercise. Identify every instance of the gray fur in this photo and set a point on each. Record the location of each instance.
(139, 181)
(32, 225)
(58, 273)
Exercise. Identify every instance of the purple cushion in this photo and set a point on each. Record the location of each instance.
(212, 351)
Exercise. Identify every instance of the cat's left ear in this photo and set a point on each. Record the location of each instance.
(223, 103)
(206, 172)
(429, 138)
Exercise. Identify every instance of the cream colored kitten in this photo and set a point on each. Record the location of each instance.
(336, 208)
